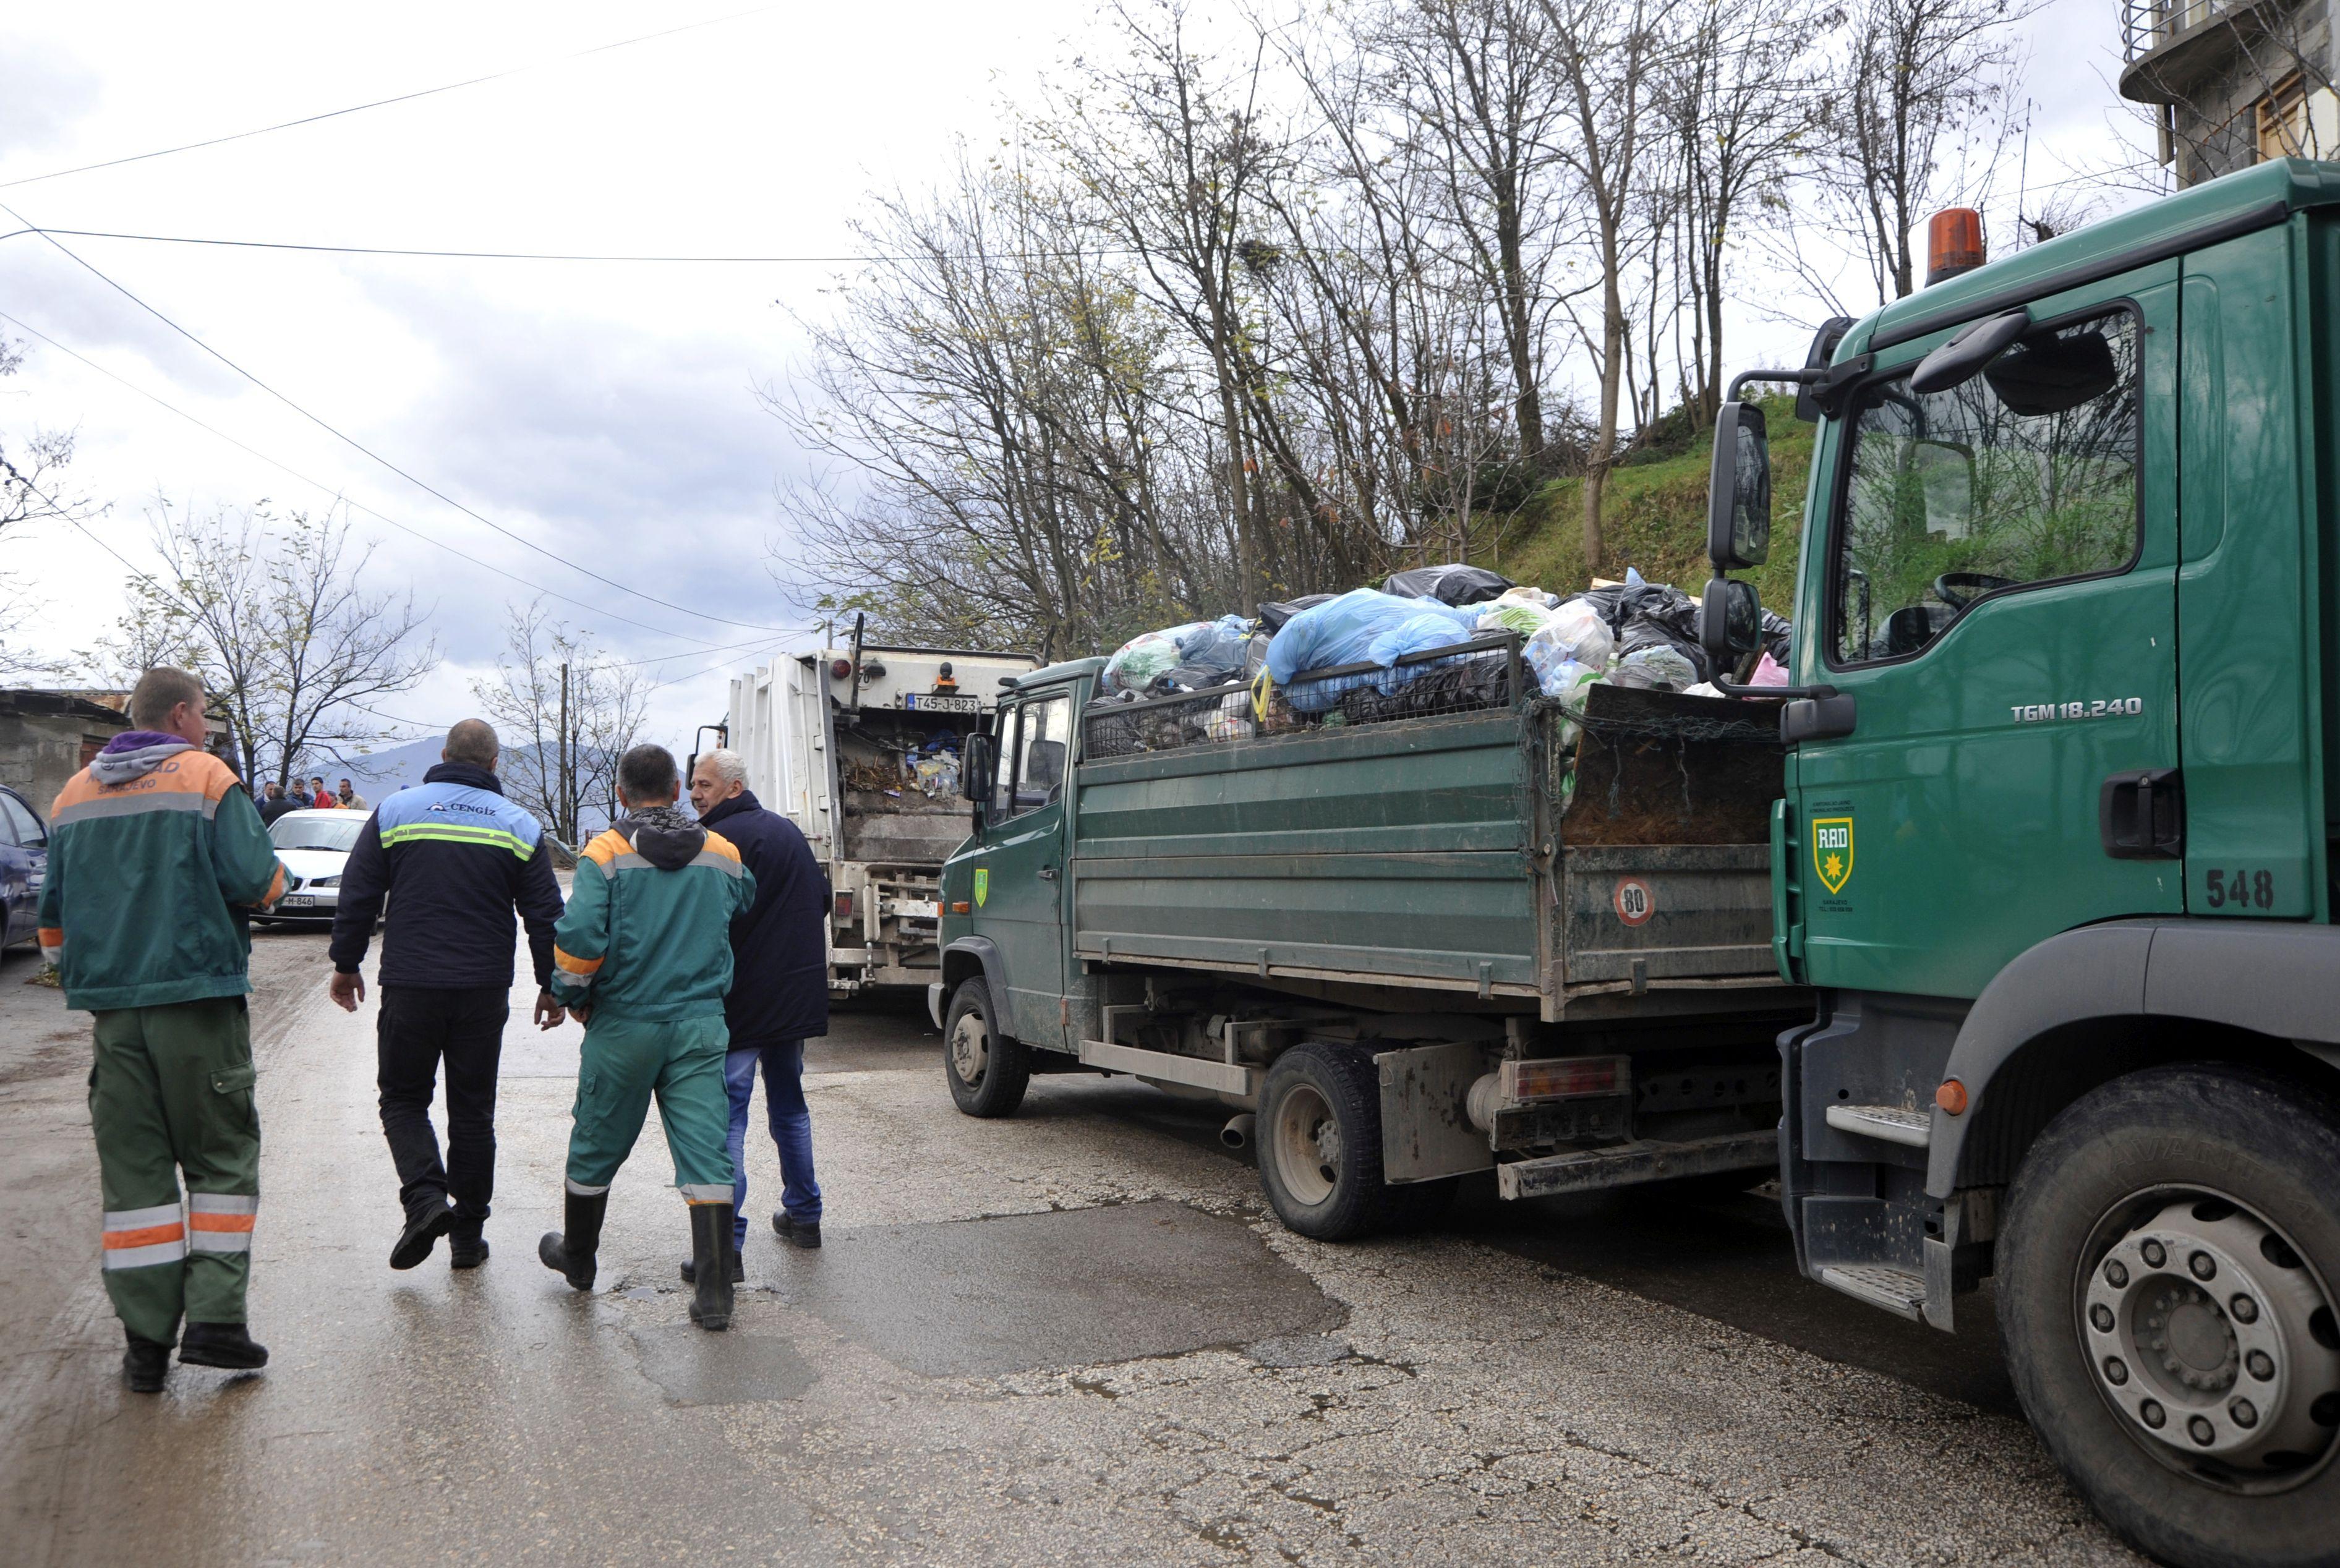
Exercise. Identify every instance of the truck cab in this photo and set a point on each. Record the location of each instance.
(2054, 848)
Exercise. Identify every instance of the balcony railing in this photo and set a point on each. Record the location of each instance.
(2147, 24)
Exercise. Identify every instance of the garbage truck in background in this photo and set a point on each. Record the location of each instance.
(860, 746)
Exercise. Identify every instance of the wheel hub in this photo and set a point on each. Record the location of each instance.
(2208, 1335)
(1305, 1145)
(970, 1049)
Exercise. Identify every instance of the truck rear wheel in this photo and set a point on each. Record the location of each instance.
(1320, 1148)
(988, 1072)
(2166, 1295)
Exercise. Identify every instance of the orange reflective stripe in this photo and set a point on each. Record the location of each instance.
(146, 1235)
(606, 847)
(717, 844)
(275, 885)
(575, 965)
(202, 1221)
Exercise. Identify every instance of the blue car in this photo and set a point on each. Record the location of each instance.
(23, 866)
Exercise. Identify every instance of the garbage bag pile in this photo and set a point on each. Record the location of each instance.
(1633, 633)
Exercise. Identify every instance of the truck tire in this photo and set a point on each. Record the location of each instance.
(988, 1072)
(2167, 1270)
(1320, 1148)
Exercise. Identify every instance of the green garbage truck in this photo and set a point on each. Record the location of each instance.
(2043, 871)
(2053, 850)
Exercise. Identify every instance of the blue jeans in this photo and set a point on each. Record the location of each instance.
(791, 1124)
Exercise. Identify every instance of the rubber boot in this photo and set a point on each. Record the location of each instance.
(710, 1257)
(228, 1345)
(739, 1266)
(569, 1251)
(144, 1364)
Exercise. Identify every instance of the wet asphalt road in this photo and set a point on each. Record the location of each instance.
(1072, 1337)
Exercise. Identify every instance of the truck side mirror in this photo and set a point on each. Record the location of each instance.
(1729, 622)
(1738, 489)
(977, 761)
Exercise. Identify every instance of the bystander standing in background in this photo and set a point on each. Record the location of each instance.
(274, 803)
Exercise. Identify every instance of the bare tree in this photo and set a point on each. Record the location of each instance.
(268, 609)
(1608, 55)
(1740, 103)
(565, 715)
(32, 470)
(1914, 122)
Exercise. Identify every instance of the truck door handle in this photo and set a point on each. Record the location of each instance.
(1047, 873)
(1826, 715)
(2141, 815)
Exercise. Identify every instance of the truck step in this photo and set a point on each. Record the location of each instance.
(1624, 1164)
(1886, 1124)
(1900, 1291)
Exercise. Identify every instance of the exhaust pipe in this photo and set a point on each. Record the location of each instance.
(1239, 1131)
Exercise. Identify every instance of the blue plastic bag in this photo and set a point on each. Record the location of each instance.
(1215, 644)
(1363, 626)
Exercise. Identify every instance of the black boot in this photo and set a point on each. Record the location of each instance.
(430, 1219)
(569, 1251)
(805, 1234)
(738, 1267)
(712, 1258)
(144, 1364)
(466, 1249)
(227, 1344)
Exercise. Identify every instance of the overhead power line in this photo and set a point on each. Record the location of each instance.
(384, 103)
(359, 446)
(700, 646)
(300, 246)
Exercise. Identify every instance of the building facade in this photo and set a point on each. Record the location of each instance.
(2232, 84)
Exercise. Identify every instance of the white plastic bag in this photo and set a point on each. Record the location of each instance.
(1576, 631)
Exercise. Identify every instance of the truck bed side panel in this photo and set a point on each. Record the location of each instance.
(1397, 851)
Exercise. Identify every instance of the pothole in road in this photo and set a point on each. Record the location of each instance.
(696, 1367)
(1071, 1287)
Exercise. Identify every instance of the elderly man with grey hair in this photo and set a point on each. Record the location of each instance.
(779, 990)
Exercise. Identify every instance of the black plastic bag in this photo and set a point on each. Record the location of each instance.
(1273, 615)
(1454, 584)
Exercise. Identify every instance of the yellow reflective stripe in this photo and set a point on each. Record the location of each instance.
(494, 838)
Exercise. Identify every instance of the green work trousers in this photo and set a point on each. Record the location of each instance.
(622, 1063)
(170, 1094)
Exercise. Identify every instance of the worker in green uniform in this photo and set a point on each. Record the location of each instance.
(155, 854)
(643, 956)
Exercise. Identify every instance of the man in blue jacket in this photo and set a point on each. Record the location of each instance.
(461, 859)
(779, 990)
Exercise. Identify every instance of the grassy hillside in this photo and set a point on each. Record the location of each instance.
(1654, 517)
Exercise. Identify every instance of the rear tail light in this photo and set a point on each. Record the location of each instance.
(961, 907)
(844, 908)
(1566, 1078)
(840, 669)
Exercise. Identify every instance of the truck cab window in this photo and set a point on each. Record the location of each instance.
(1041, 747)
(2028, 474)
(1003, 774)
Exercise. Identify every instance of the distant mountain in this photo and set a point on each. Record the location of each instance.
(380, 773)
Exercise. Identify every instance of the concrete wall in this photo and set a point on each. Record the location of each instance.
(40, 751)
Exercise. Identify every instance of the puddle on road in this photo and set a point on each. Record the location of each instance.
(1073, 1287)
(696, 1367)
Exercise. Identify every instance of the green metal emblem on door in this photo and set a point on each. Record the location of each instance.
(982, 885)
(1831, 851)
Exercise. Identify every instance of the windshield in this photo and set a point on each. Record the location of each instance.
(338, 832)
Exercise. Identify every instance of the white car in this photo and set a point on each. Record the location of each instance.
(315, 846)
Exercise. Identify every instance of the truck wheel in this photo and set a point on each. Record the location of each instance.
(988, 1072)
(2166, 1268)
(1319, 1145)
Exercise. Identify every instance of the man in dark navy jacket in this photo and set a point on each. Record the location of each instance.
(779, 990)
(461, 859)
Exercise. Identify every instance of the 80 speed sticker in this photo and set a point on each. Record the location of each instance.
(1633, 900)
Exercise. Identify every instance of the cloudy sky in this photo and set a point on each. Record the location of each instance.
(604, 414)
